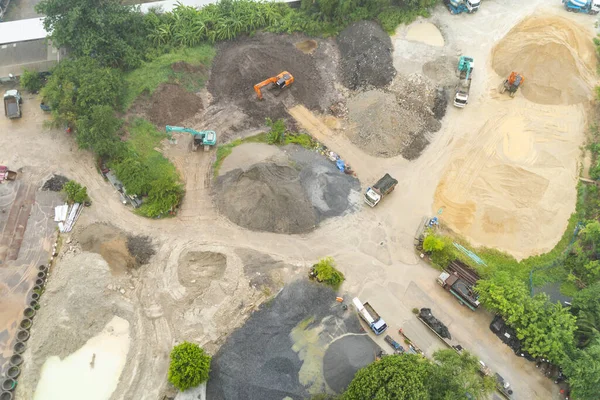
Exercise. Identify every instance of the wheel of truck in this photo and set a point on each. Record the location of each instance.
(512, 94)
(502, 88)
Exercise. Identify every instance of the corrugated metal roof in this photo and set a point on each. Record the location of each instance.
(22, 30)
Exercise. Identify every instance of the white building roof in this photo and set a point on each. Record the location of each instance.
(22, 30)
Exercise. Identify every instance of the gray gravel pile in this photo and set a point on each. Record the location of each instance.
(56, 183)
(366, 56)
(257, 361)
(399, 121)
(141, 248)
(290, 198)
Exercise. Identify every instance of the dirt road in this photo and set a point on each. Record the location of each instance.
(163, 300)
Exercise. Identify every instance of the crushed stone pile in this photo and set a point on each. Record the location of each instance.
(556, 57)
(140, 247)
(366, 56)
(442, 71)
(171, 104)
(290, 197)
(399, 121)
(242, 63)
(56, 183)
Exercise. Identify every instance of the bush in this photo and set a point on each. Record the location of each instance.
(326, 272)
(189, 366)
(276, 134)
(75, 192)
(31, 81)
(415, 310)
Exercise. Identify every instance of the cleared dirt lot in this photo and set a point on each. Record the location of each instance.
(208, 274)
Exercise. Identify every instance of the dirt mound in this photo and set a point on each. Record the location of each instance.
(555, 55)
(240, 64)
(171, 105)
(442, 71)
(110, 243)
(141, 248)
(397, 122)
(276, 197)
(56, 183)
(366, 56)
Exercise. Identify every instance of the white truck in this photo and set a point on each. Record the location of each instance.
(370, 316)
(383, 187)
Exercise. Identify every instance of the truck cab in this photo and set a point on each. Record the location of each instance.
(472, 5)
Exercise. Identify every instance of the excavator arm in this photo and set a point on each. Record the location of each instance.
(259, 86)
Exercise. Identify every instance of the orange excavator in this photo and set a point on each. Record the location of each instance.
(512, 84)
(280, 81)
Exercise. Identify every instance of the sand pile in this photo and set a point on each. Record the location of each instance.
(240, 64)
(555, 56)
(366, 56)
(397, 122)
(286, 197)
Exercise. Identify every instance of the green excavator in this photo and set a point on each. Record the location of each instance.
(201, 138)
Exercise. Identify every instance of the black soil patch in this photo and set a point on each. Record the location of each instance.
(366, 56)
(345, 357)
(257, 361)
(140, 247)
(242, 63)
(171, 104)
(56, 183)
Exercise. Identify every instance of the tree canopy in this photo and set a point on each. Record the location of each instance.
(189, 366)
(409, 376)
(114, 34)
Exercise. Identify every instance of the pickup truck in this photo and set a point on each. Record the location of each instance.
(383, 187)
(370, 316)
(12, 104)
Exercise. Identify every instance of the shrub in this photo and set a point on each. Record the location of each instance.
(31, 81)
(276, 134)
(75, 192)
(189, 366)
(415, 310)
(326, 272)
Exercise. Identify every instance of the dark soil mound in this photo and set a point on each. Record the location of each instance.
(266, 197)
(141, 248)
(366, 56)
(345, 357)
(171, 105)
(240, 64)
(56, 183)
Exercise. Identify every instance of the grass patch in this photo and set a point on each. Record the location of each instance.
(151, 74)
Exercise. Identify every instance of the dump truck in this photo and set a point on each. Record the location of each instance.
(461, 6)
(370, 316)
(383, 187)
(459, 288)
(6, 174)
(591, 7)
(12, 103)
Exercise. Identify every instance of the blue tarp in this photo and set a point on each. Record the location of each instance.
(340, 164)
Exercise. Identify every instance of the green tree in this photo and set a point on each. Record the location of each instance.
(165, 193)
(504, 294)
(454, 374)
(99, 132)
(114, 34)
(31, 81)
(433, 244)
(75, 192)
(398, 377)
(135, 175)
(326, 272)
(189, 366)
(583, 370)
(77, 85)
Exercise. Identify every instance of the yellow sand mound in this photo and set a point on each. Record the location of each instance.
(555, 56)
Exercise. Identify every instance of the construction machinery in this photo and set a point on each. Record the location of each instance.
(381, 188)
(279, 82)
(12, 103)
(200, 138)
(6, 174)
(583, 6)
(465, 69)
(461, 6)
(512, 84)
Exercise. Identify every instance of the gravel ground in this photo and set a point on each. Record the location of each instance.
(291, 198)
(279, 350)
(366, 56)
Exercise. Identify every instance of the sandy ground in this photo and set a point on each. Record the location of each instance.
(373, 247)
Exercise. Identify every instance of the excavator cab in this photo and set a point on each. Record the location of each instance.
(280, 81)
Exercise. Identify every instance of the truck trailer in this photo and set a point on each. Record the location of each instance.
(370, 316)
(12, 104)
